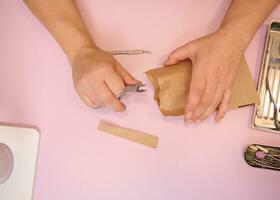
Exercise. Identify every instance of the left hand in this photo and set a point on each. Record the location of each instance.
(215, 59)
(99, 78)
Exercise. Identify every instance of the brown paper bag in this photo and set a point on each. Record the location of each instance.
(172, 84)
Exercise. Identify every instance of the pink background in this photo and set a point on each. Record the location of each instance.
(76, 161)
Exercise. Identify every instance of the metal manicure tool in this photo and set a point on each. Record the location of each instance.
(263, 156)
(131, 88)
(267, 113)
(129, 52)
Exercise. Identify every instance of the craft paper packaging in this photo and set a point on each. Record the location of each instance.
(129, 134)
(172, 85)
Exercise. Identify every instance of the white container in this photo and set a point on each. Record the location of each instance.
(18, 158)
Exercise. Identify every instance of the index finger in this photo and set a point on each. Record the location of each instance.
(108, 98)
(197, 87)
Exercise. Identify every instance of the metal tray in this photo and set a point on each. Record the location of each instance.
(267, 114)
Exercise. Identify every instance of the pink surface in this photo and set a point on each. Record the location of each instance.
(76, 161)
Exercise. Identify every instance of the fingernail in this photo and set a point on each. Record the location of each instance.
(120, 109)
(189, 115)
(197, 121)
(220, 119)
(95, 106)
(189, 121)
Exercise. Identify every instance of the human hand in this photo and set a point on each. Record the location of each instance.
(215, 60)
(98, 78)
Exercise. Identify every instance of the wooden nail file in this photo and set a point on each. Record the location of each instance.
(129, 134)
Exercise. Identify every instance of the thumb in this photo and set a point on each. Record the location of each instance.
(127, 77)
(180, 54)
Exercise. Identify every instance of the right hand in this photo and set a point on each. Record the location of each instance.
(215, 60)
(98, 78)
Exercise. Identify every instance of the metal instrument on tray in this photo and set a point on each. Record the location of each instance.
(267, 113)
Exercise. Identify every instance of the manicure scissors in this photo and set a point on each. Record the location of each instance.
(131, 88)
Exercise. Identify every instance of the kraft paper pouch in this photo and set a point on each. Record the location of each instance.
(172, 84)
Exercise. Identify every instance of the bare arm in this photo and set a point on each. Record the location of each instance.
(245, 16)
(97, 76)
(216, 57)
(64, 22)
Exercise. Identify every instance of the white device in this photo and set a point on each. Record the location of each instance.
(18, 158)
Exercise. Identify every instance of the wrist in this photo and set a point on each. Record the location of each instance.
(82, 50)
(235, 35)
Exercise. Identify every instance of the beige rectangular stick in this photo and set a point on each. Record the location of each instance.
(129, 134)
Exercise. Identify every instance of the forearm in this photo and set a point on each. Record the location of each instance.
(244, 17)
(64, 22)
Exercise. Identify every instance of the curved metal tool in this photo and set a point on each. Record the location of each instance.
(131, 88)
(273, 101)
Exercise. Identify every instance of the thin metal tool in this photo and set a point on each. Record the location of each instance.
(132, 88)
(129, 52)
(275, 108)
(272, 86)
